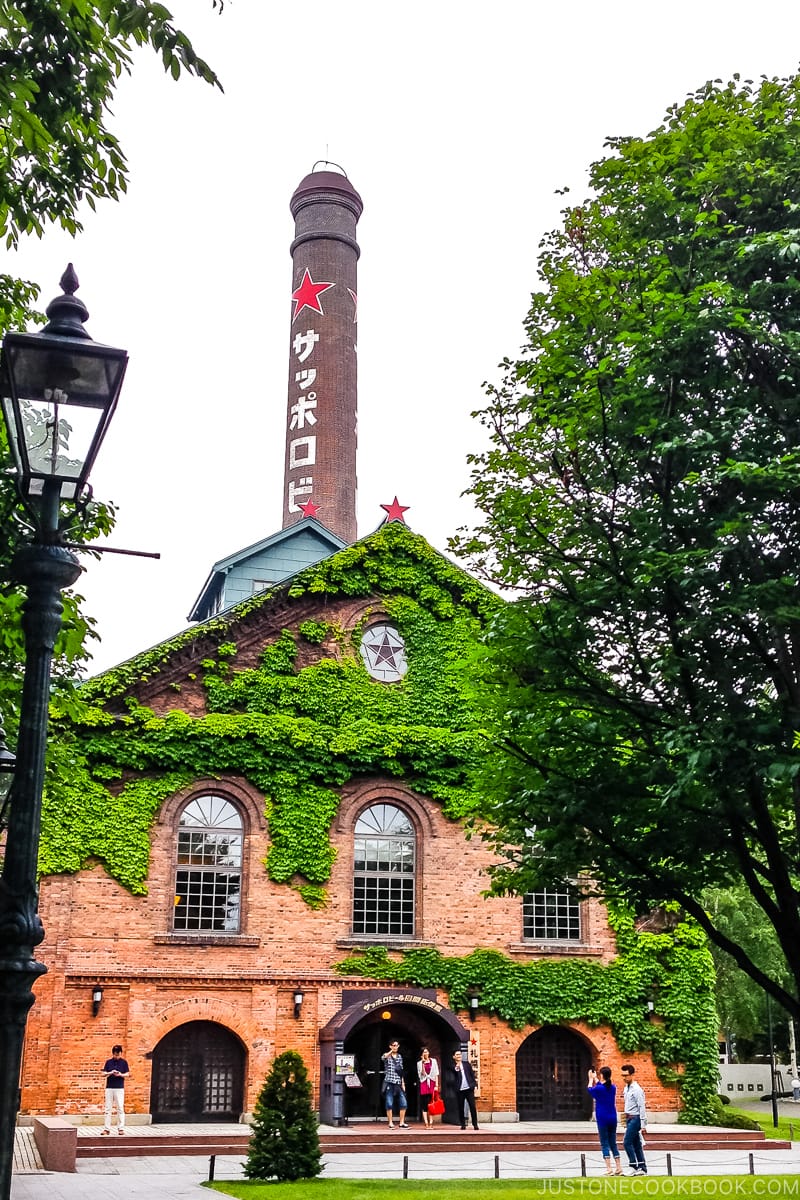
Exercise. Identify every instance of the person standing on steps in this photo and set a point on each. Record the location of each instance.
(428, 1075)
(635, 1121)
(394, 1085)
(604, 1094)
(465, 1088)
(116, 1072)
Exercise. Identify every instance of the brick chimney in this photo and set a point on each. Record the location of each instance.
(320, 465)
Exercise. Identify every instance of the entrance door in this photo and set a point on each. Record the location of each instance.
(198, 1075)
(552, 1066)
(368, 1042)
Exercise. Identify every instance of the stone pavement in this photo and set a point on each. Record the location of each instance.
(163, 1177)
(168, 1177)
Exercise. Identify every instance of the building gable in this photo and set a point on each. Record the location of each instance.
(259, 567)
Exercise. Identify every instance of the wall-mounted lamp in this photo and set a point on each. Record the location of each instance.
(474, 1003)
(97, 996)
(298, 1003)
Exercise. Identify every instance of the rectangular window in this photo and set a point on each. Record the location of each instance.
(383, 904)
(551, 917)
(207, 900)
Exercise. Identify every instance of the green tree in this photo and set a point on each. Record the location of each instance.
(285, 1139)
(59, 65)
(741, 1003)
(641, 490)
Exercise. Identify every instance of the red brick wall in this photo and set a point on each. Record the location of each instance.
(97, 931)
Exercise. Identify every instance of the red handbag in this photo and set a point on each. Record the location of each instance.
(436, 1105)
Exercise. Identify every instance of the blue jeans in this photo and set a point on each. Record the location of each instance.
(391, 1091)
(633, 1143)
(607, 1131)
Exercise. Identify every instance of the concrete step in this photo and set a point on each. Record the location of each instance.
(379, 1139)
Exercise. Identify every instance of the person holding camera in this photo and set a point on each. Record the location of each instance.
(394, 1085)
(604, 1094)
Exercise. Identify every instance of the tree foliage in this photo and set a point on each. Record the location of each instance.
(641, 491)
(59, 64)
(284, 1144)
(741, 1003)
(60, 61)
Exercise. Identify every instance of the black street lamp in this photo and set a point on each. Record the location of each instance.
(8, 764)
(58, 391)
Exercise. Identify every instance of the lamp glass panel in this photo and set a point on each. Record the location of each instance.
(58, 436)
(57, 402)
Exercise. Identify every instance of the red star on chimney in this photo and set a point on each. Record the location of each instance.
(394, 511)
(309, 509)
(308, 294)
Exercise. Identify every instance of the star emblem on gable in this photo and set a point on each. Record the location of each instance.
(384, 653)
(308, 294)
(394, 511)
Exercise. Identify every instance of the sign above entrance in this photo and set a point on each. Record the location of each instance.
(402, 998)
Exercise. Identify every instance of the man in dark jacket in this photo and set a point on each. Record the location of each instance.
(466, 1083)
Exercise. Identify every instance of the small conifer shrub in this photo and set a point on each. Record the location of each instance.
(284, 1144)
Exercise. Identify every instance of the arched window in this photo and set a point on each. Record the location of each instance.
(384, 872)
(208, 880)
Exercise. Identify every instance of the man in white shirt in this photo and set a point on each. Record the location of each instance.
(635, 1121)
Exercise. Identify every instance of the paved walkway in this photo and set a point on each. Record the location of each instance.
(162, 1177)
(173, 1177)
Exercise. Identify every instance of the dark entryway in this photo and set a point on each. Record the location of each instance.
(361, 1032)
(198, 1075)
(370, 1040)
(552, 1066)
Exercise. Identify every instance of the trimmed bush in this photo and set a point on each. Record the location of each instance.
(285, 1141)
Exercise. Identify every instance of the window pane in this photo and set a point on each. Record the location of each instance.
(551, 916)
(209, 854)
(383, 872)
(211, 812)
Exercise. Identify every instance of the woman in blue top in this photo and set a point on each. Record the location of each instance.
(604, 1094)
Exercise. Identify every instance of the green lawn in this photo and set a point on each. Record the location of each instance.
(788, 1127)
(719, 1187)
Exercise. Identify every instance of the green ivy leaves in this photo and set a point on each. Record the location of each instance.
(297, 734)
(674, 969)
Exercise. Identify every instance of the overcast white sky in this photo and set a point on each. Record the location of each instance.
(456, 123)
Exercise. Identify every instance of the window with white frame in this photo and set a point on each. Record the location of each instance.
(384, 872)
(549, 916)
(208, 877)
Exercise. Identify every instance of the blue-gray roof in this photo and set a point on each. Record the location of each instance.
(264, 564)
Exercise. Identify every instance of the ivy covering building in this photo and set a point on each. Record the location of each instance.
(258, 836)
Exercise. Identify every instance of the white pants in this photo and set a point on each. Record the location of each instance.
(115, 1098)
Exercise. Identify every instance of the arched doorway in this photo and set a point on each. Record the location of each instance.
(370, 1040)
(198, 1075)
(552, 1066)
(361, 1033)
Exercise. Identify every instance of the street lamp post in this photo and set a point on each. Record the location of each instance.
(59, 390)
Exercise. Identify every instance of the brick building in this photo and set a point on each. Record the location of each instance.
(253, 809)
